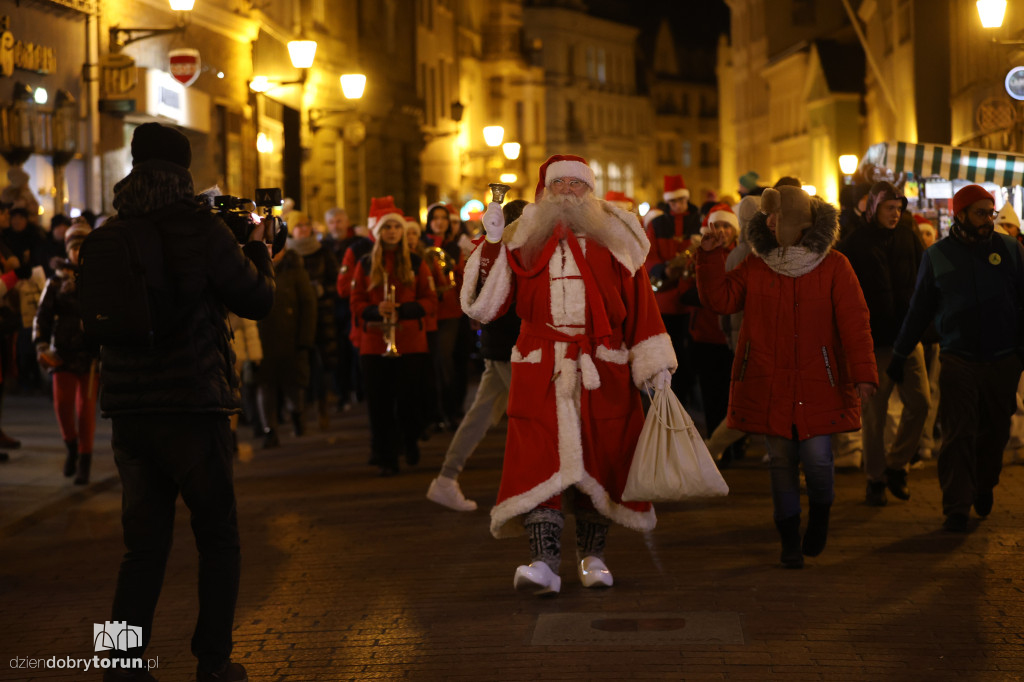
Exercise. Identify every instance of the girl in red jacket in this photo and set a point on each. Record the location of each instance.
(804, 358)
(390, 380)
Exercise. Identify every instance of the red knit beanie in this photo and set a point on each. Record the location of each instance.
(968, 195)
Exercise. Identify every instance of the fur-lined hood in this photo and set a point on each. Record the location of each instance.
(629, 240)
(816, 243)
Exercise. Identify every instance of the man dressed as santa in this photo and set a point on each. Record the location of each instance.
(591, 335)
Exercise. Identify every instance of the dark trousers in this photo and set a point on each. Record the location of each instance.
(684, 379)
(158, 457)
(714, 368)
(391, 398)
(978, 399)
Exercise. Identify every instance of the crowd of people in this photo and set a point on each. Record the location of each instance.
(773, 314)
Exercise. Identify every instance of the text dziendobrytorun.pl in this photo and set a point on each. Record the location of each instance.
(92, 663)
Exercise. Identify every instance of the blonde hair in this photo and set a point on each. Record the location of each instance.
(403, 263)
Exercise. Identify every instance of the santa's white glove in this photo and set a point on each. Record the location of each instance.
(661, 380)
(494, 222)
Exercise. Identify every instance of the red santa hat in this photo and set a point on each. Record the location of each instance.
(619, 199)
(563, 166)
(675, 188)
(383, 209)
(721, 213)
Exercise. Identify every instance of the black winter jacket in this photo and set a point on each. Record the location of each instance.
(58, 323)
(191, 367)
(886, 262)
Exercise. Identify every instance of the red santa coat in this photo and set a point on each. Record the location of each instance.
(589, 318)
(805, 341)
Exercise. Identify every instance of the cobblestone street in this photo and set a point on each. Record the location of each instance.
(347, 576)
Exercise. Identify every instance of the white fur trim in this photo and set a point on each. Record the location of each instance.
(677, 194)
(724, 217)
(650, 356)
(380, 220)
(591, 378)
(533, 357)
(570, 470)
(485, 306)
(569, 169)
(616, 356)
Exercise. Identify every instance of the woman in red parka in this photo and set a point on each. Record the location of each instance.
(391, 380)
(804, 358)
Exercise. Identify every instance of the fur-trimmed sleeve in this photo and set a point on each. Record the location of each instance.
(650, 348)
(486, 295)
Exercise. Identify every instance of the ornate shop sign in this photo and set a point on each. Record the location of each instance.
(18, 54)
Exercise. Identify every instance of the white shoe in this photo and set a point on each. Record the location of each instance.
(445, 491)
(593, 572)
(537, 578)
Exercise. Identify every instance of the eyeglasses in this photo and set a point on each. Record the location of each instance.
(984, 213)
(573, 183)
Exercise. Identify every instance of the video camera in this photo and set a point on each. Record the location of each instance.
(243, 215)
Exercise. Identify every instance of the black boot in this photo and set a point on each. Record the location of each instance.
(896, 481)
(71, 460)
(874, 495)
(84, 464)
(817, 529)
(789, 533)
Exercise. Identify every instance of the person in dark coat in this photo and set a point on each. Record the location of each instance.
(169, 404)
(885, 253)
(971, 285)
(322, 268)
(288, 336)
(62, 349)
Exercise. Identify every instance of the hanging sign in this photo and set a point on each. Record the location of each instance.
(185, 65)
(1015, 82)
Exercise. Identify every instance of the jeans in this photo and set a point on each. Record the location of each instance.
(158, 457)
(786, 455)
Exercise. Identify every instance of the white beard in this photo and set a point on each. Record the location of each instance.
(583, 215)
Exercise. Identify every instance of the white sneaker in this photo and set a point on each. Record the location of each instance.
(445, 491)
(593, 572)
(537, 578)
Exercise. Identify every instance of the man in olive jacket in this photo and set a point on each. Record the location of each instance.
(169, 404)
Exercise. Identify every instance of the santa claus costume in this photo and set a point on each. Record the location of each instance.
(591, 334)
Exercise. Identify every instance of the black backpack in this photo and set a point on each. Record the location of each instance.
(122, 283)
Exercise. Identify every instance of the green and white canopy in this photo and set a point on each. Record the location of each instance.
(951, 163)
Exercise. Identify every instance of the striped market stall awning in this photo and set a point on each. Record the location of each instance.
(951, 163)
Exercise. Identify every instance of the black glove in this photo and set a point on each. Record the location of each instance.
(895, 369)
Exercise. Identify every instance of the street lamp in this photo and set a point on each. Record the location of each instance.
(353, 85)
(991, 12)
(511, 150)
(848, 164)
(493, 135)
(302, 52)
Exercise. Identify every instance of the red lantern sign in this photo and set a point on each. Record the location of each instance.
(185, 65)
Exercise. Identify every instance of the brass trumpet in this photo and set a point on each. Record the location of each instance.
(389, 324)
(435, 254)
(682, 263)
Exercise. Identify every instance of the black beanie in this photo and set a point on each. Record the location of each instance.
(153, 141)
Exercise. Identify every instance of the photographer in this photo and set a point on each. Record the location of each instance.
(170, 403)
